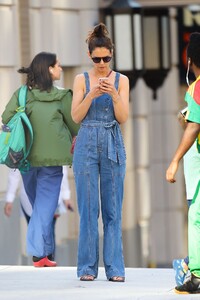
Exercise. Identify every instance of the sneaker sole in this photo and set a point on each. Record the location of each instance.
(178, 292)
(186, 293)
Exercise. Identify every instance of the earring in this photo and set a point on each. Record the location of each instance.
(51, 71)
(187, 73)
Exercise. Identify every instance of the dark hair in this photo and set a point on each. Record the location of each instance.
(38, 75)
(99, 37)
(193, 48)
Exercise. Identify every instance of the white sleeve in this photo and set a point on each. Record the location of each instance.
(14, 178)
(65, 192)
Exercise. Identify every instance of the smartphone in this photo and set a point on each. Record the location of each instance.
(103, 79)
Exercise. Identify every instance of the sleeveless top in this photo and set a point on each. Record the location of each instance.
(101, 114)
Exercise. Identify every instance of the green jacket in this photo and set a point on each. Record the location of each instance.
(53, 127)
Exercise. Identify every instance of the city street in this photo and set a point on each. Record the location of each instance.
(61, 283)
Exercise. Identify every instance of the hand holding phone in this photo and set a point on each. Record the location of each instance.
(102, 81)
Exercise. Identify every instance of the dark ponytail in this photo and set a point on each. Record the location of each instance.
(38, 75)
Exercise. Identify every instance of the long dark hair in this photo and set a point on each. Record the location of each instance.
(99, 37)
(38, 75)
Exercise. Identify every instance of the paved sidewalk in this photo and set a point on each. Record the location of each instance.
(61, 283)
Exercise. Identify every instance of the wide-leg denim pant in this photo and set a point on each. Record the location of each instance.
(93, 169)
(42, 185)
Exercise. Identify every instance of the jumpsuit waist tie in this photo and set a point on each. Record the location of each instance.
(114, 138)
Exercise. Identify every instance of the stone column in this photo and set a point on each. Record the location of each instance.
(62, 27)
(160, 217)
(9, 81)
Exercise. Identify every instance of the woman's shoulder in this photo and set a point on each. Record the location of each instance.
(79, 81)
(122, 76)
(16, 92)
(14, 96)
(81, 76)
(123, 80)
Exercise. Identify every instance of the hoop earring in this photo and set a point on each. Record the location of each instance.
(187, 73)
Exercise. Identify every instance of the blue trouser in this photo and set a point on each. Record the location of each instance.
(90, 164)
(42, 185)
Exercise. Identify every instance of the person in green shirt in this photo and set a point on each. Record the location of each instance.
(191, 169)
(191, 133)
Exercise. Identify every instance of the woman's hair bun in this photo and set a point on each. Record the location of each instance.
(100, 30)
(99, 37)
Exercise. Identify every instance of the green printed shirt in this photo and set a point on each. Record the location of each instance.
(192, 97)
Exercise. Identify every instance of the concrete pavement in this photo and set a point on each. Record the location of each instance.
(61, 283)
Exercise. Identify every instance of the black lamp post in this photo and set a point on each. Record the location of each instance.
(141, 37)
(124, 22)
(156, 37)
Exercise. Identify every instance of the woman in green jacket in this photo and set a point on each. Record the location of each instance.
(49, 110)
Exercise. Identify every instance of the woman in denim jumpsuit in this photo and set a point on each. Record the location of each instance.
(99, 158)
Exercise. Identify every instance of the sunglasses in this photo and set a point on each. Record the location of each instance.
(105, 59)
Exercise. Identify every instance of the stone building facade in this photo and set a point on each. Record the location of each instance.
(154, 211)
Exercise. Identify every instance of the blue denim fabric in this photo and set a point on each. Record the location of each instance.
(99, 170)
(42, 185)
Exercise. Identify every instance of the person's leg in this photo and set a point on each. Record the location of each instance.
(192, 286)
(30, 184)
(194, 233)
(27, 217)
(40, 235)
(180, 266)
(112, 187)
(186, 259)
(52, 257)
(86, 172)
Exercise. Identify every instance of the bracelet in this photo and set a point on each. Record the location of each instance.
(116, 100)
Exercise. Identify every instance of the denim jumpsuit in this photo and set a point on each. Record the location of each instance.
(99, 170)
